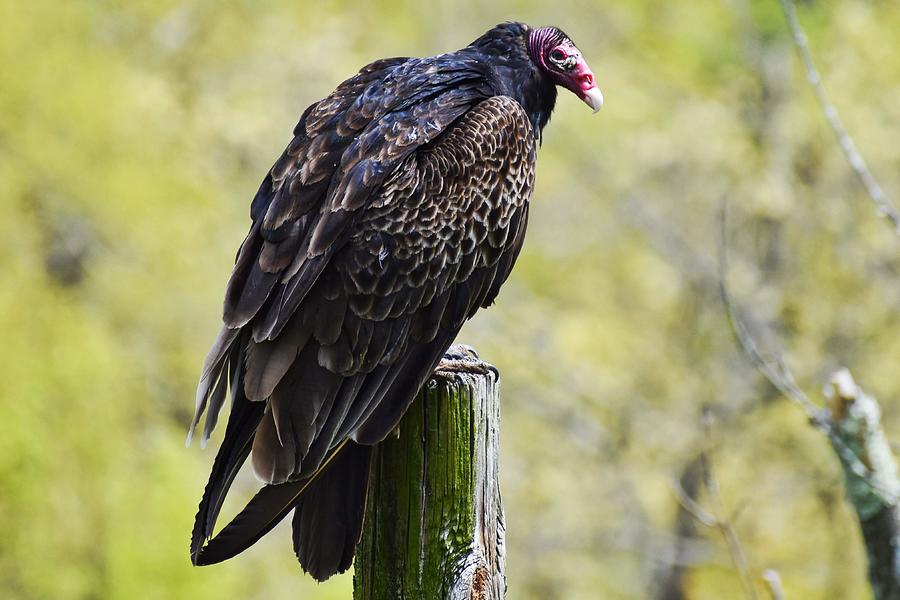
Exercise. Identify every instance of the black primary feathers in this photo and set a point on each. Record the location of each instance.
(397, 210)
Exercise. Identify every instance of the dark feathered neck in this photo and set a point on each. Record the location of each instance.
(514, 74)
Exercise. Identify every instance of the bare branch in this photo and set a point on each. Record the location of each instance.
(670, 581)
(738, 556)
(720, 522)
(703, 516)
(882, 203)
(778, 374)
(718, 519)
(773, 584)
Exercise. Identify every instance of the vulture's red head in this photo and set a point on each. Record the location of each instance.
(553, 52)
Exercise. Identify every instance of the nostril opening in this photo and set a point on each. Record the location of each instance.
(587, 79)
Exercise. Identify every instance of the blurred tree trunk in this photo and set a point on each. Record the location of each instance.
(434, 524)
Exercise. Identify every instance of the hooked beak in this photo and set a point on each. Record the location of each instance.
(585, 85)
(593, 97)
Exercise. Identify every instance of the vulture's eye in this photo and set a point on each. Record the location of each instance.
(562, 60)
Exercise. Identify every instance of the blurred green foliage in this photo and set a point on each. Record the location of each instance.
(133, 135)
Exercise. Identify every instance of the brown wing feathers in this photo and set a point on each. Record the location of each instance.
(239, 433)
(392, 216)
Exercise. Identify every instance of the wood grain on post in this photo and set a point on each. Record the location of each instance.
(434, 524)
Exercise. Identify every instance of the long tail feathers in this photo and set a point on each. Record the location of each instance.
(329, 504)
(329, 516)
(242, 423)
(270, 505)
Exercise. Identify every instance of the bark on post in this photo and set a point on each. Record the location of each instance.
(434, 525)
(871, 481)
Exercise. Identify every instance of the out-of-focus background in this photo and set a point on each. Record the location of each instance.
(133, 135)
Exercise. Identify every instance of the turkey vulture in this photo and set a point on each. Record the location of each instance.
(396, 211)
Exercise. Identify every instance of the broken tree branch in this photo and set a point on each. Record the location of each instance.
(853, 427)
(874, 493)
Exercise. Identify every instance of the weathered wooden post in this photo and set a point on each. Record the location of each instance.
(434, 524)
